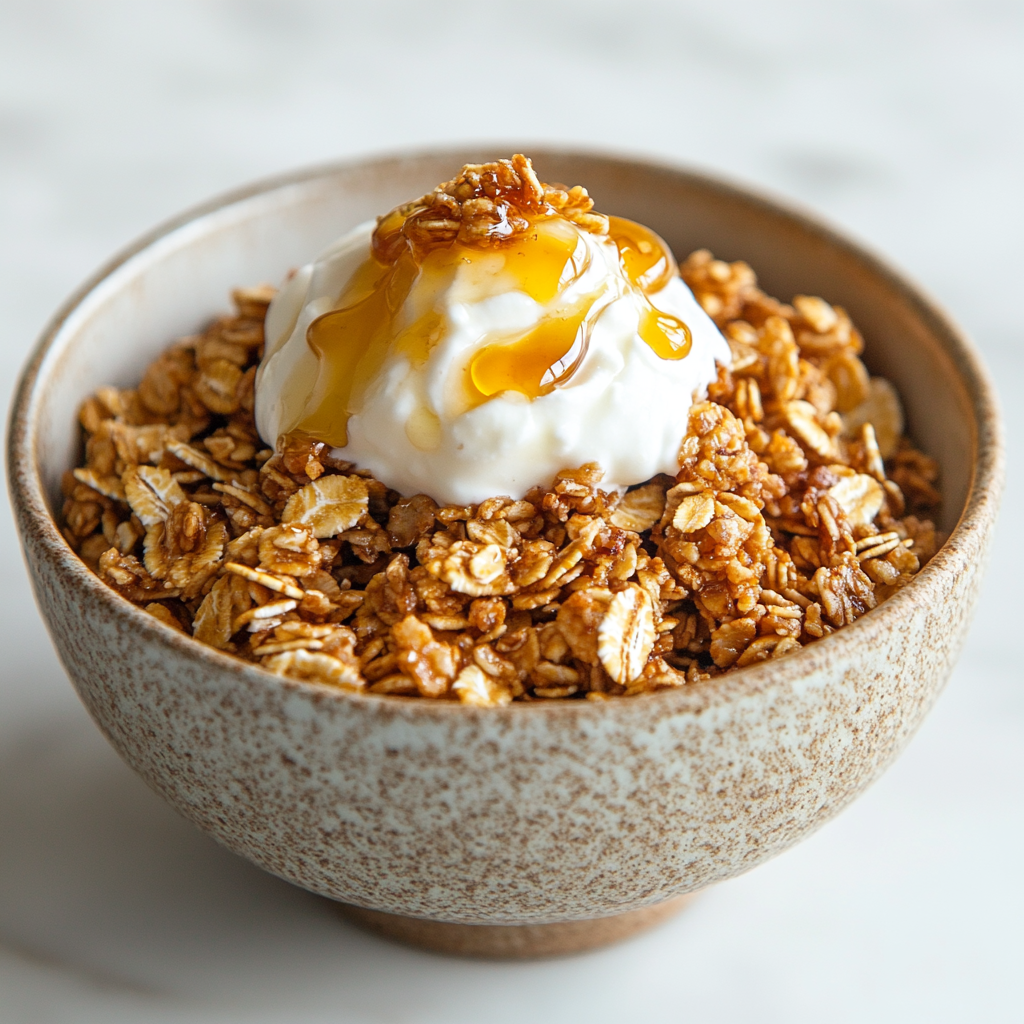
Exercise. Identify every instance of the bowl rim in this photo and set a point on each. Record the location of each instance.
(977, 516)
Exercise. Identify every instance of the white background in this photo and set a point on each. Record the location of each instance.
(899, 120)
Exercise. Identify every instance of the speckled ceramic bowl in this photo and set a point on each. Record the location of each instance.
(528, 829)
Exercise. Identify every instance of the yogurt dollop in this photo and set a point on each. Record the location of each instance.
(464, 368)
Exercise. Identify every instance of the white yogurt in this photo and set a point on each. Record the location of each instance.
(624, 407)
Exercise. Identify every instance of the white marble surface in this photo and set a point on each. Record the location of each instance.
(899, 119)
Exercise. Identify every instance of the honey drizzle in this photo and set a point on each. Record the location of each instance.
(352, 341)
(649, 264)
(351, 344)
(547, 356)
(535, 363)
(646, 259)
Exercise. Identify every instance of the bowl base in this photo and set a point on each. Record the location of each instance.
(513, 941)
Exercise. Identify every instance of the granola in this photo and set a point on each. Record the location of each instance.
(798, 506)
(484, 203)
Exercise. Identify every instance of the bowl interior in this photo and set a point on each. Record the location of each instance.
(177, 279)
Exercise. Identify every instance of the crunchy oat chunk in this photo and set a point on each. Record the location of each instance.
(217, 386)
(487, 614)
(783, 454)
(430, 664)
(160, 388)
(479, 570)
(126, 574)
(765, 647)
(136, 444)
(187, 549)
(485, 204)
(410, 519)
(294, 634)
(300, 456)
(721, 554)
(715, 455)
(291, 549)
(846, 592)
(579, 620)
(721, 288)
(730, 639)
(915, 474)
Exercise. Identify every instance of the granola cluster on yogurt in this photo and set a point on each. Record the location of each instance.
(797, 506)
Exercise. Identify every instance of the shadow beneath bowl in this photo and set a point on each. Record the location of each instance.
(99, 878)
(110, 902)
(105, 886)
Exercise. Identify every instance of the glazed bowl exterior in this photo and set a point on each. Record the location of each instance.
(530, 813)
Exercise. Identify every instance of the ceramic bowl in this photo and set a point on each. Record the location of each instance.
(534, 828)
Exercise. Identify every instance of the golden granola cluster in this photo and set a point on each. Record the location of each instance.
(795, 510)
(485, 204)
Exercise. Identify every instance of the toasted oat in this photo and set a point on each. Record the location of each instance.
(279, 584)
(884, 411)
(639, 509)
(410, 519)
(730, 640)
(875, 547)
(331, 505)
(846, 592)
(694, 512)
(850, 379)
(186, 551)
(579, 620)
(246, 497)
(126, 574)
(214, 623)
(817, 312)
(860, 497)
(167, 617)
(474, 686)
(314, 666)
(626, 634)
(765, 647)
(494, 532)
(198, 460)
(290, 549)
(151, 493)
(430, 664)
(802, 419)
(108, 486)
